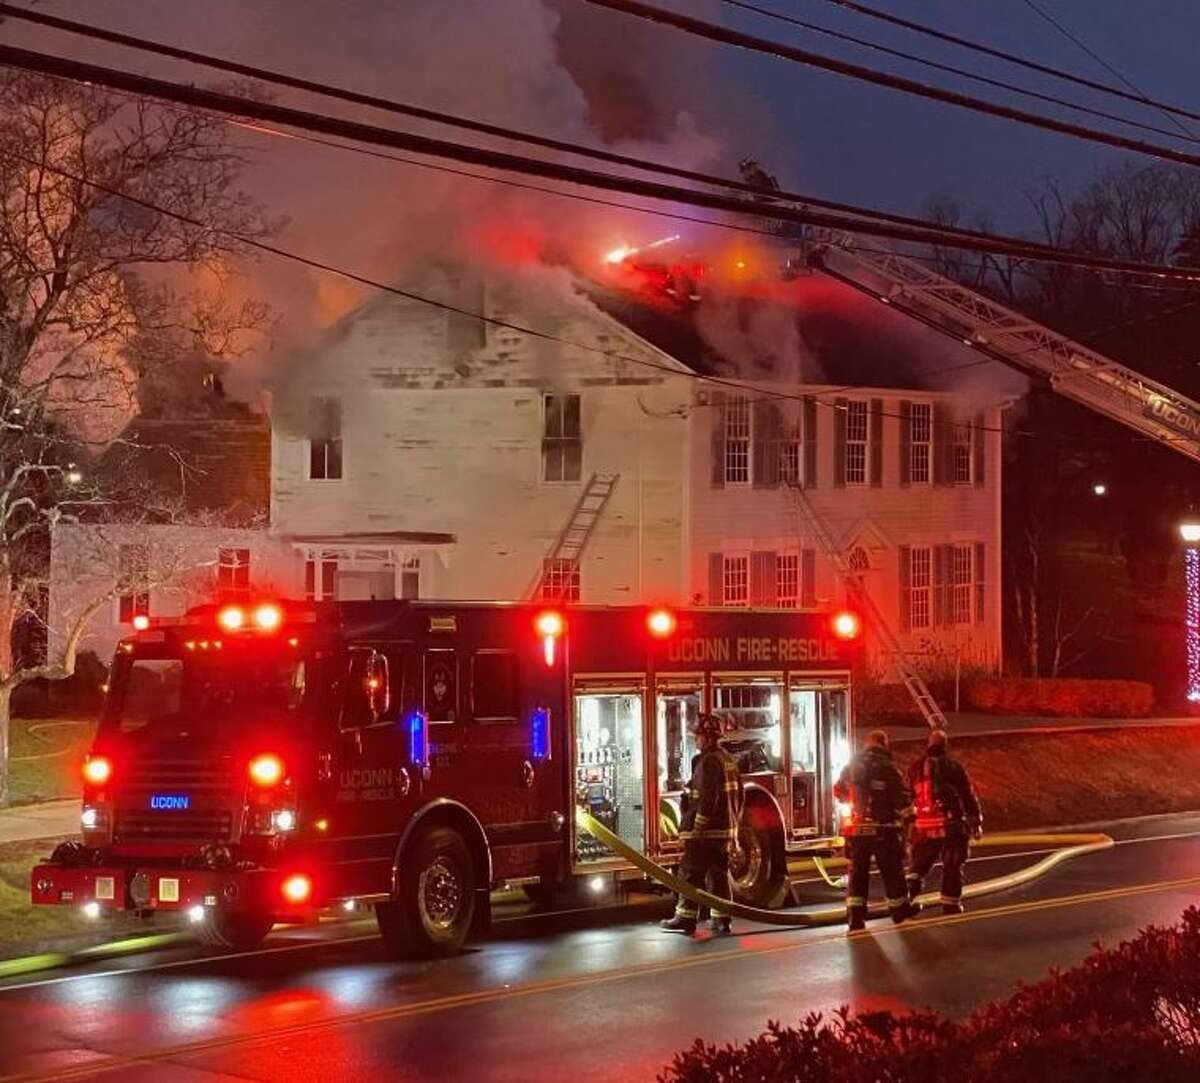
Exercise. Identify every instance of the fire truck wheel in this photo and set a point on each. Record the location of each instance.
(237, 929)
(758, 874)
(437, 897)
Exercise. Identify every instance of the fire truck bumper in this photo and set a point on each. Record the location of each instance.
(149, 888)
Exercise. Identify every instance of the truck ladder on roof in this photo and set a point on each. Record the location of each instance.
(857, 590)
(570, 544)
(1089, 378)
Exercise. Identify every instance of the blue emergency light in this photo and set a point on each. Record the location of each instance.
(418, 740)
(539, 734)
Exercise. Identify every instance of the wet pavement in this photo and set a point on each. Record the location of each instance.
(599, 996)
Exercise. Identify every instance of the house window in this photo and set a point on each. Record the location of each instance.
(735, 580)
(962, 583)
(789, 458)
(858, 560)
(133, 573)
(920, 448)
(920, 580)
(233, 573)
(787, 580)
(325, 439)
(320, 579)
(737, 441)
(964, 436)
(562, 441)
(560, 580)
(410, 578)
(856, 442)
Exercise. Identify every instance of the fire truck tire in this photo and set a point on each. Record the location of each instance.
(240, 930)
(436, 902)
(759, 871)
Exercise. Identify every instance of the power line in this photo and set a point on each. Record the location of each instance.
(472, 125)
(725, 36)
(1082, 45)
(1011, 58)
(410, 295)
(964, 73)
(222, 103)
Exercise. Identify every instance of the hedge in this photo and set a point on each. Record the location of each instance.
(1126, 1013)
(1069, 696)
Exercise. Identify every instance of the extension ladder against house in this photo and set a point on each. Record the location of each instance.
(569, 546)
(887, 638)
(1085, 376)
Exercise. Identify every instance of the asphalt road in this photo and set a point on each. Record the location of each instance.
(610, 998)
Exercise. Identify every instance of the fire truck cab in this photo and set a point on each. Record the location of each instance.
(258, 763)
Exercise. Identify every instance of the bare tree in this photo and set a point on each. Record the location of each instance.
(97, 294)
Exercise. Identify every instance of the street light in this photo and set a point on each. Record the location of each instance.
(1100, 489)
(1189, 531)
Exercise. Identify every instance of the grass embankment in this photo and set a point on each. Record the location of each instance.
(46, 754)
(1034, 779)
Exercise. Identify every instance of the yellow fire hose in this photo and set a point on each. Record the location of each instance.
(1070, 846)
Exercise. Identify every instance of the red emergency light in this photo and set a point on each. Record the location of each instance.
(550, 625)
(297, 888)
(660, 622)
(266, 770)
(97, 770)
(846, 625)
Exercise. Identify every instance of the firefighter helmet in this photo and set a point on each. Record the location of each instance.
(710, 725)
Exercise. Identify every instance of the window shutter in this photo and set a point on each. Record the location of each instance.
(717, 398)
(762, 578)
(980, 464)
(716, 578)
(943, 445)
(876, 422)
(906, 442)
(839, 442)
(905, 585)
(810, 443)
(808, 577)
(767, 425)
(980, 582)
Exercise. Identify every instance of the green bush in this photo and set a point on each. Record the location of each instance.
(1064, 696)
(1126, 1013)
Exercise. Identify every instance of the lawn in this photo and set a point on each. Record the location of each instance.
(46, 754)
(1043, 779)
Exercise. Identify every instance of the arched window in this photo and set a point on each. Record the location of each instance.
(858, 559)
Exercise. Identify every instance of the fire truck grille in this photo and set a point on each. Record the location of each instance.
(205, 785)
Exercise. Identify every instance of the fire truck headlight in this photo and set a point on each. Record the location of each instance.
(268, 617)
(231, 618)
(195, 914)
(91, 910)
(140, 622)
(284, 819)
(91, 818)
(597, 885)
(266, 770)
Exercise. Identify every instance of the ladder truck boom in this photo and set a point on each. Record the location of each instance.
(1071, 369)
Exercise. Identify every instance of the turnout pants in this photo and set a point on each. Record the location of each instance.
(887, 848)
(951, 846)
(705, 866)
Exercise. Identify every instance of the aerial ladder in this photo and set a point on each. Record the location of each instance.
(1070, 368)
(569, 545)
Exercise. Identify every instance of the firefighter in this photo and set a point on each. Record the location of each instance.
(880, 804)
(948, 817)
(712, 808)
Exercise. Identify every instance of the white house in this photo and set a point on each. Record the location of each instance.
(415, 452)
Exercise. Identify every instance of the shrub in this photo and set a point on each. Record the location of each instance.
(1129, 1012)
(1064, 696)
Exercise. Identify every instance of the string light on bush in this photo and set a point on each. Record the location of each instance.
(1190, 532)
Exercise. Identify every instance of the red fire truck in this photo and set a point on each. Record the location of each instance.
(258, 763)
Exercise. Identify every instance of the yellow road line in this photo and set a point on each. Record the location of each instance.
(482, 996)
